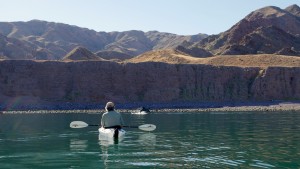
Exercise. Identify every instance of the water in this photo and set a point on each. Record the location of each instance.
(181, 140)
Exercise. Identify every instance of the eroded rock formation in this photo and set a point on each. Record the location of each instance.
(100, 81)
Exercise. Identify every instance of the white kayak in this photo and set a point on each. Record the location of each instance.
(108, 134)
(139, 112)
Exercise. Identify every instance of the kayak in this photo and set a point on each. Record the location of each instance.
(139, 112)
(107, 134)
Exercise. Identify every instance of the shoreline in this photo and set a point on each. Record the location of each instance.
(273, 108)
(161, 108)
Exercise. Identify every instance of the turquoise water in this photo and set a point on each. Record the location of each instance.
(181, 140)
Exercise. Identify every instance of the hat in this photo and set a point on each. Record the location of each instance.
(109, 104)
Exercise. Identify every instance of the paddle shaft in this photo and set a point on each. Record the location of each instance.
(82, 124)
(114, 127)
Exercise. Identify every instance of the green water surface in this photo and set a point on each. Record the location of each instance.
(181, 140)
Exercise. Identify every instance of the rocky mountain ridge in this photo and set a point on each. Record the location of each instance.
(80, 53)
(268, 30)
(52, 41)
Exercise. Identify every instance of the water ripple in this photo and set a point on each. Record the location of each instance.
(203, 140)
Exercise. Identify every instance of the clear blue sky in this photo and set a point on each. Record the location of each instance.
(183, 17)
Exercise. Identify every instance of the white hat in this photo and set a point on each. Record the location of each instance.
(109, 104)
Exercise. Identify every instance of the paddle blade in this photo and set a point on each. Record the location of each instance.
(78, 124)
(147, 127)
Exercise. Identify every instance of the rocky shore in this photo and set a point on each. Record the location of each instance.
(288, 106)
(164, 108)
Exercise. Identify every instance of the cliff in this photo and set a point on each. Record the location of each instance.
(36, 82)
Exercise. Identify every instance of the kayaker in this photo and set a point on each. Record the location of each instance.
(112, 118)
(144, 109)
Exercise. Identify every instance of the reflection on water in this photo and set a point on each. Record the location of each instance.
(109, 141)
(78, 145)
(148, 139)
(109, 151)
(181, 140)
(104, 155)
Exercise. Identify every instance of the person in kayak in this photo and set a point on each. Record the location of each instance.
(112, 118)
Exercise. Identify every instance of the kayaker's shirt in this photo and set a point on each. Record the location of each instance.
(112, 118)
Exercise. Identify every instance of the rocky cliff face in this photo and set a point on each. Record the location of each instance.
(100, 81)
(269, 30)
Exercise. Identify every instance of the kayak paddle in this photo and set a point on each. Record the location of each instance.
(82, 124)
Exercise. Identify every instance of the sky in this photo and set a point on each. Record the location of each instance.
(182, 17)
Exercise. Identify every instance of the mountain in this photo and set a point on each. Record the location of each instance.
(171, 56)
(293, 9)
(166, 56)
(80, 53)
(267, 30)
(52, 41)
(13, 48)
(113, 55)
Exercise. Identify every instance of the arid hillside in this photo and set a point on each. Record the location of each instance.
(258, 60)
(80, 53)
(42, 40)
(269, 30)
(166, 56)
